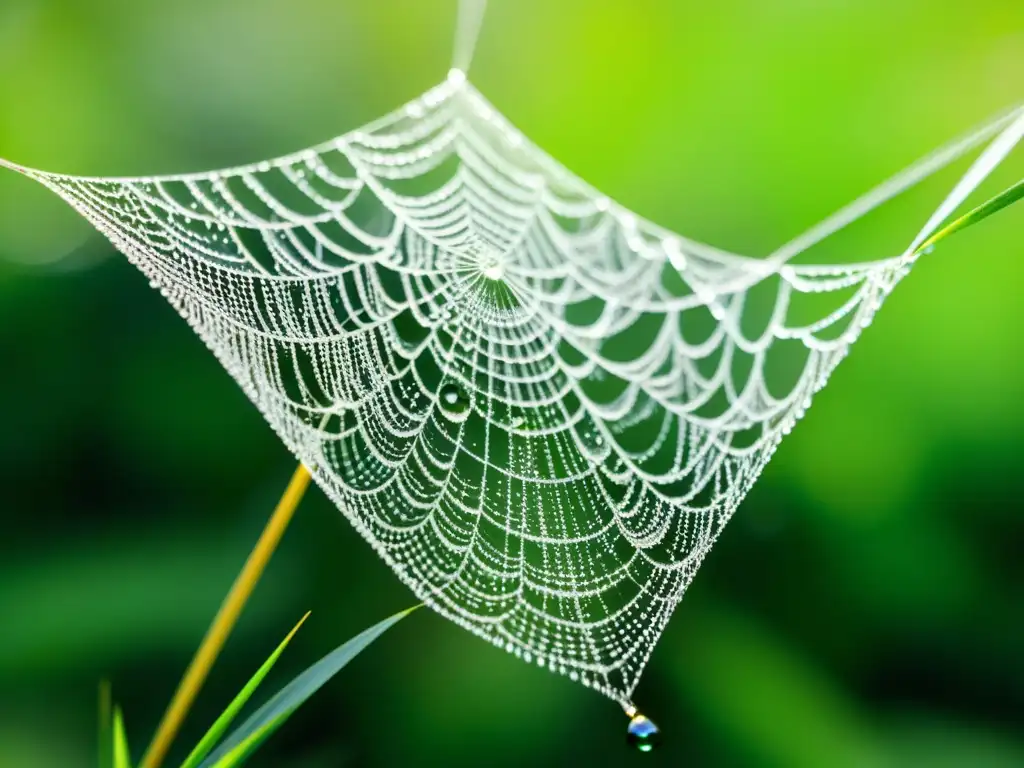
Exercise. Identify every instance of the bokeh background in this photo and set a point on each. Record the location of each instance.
(862, 609)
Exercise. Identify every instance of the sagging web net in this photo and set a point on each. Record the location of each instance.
(538, 408)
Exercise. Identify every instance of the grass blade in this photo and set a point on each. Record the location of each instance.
(225, 620)
(218, 729)
(244, 750)
(106, 730)
(983, 211)
(293, 695)
(122, 758)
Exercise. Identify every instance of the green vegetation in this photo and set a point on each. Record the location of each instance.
(215, 750)
(862, 608)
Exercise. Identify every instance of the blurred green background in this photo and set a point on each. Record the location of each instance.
(863, 608)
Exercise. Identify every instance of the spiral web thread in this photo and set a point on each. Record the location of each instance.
(538, 408)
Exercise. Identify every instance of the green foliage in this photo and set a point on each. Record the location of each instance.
(222, 723)
(122, 757)
(279, 708)
(976, 215)
(244, 749)
(243, 742)
(879, 554)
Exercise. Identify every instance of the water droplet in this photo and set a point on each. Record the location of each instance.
(454, 400)
(643, 734)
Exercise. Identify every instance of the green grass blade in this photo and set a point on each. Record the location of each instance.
(244, 750)
(983, 211)
(293, 695)
(218, 729)
(106, 730)
(122, 758)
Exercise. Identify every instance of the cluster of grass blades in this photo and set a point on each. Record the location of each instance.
(220, 749)
(217, 750)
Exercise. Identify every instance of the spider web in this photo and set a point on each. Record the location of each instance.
(538, 408)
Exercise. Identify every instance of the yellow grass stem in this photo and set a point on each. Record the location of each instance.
(225, 620)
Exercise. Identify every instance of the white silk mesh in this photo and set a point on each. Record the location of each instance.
(538, 408)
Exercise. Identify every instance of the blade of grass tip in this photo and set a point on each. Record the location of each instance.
(122, 757)
(106, 755)
(983, 211)
(225, 620)
(224, 721)
(293, 695)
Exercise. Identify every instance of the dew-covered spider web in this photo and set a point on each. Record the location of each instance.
(538, 408)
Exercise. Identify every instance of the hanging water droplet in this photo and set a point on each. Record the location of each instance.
(643, 734)
(453, 399)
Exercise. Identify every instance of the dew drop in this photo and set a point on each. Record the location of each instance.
(642, 734)
(454, 400)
